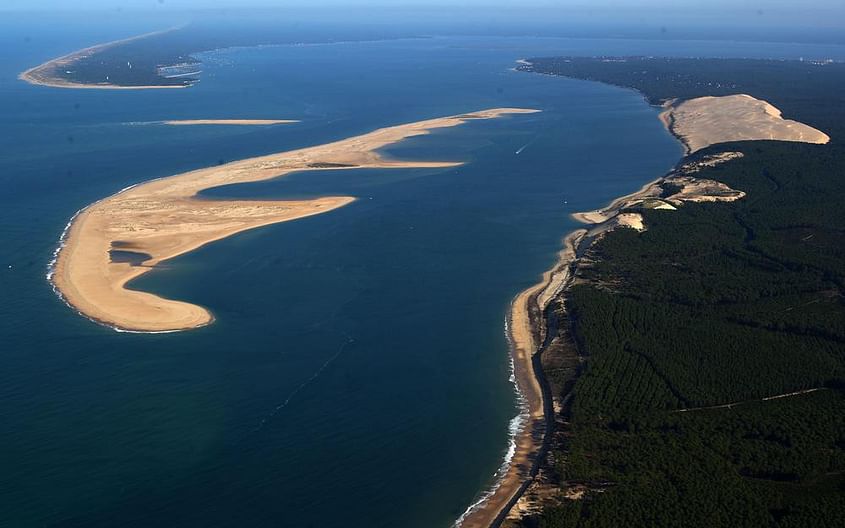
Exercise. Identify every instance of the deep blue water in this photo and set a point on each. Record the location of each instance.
(357, 373)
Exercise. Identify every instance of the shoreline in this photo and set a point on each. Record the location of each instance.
(528, 324)
(697, 123)
(164, 218)
(81, 86)
(597, 217)
(525, 336)
(32, 76)
(526, 329)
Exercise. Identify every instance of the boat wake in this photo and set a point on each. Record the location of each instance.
(523, 147)
(280, 407)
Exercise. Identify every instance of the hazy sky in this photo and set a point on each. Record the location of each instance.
(778, 5)
(828, 14)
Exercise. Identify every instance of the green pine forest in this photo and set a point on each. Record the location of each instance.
(715, 304)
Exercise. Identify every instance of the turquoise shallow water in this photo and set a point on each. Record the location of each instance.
(357, 373)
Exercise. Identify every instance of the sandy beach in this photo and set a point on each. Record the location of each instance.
(236, 122)
(598, 216)
(163, 218)
(526, 332)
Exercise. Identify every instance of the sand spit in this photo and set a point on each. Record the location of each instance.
(164, 218)
(238, 122)
(45, 74)
(526, 333)
(706, 121)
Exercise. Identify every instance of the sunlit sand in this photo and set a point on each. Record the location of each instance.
(239, 122)
(164, 218)
(705, 121)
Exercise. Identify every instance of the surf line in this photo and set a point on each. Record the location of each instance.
(515, 427)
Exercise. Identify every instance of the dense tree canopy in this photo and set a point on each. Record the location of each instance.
(716, 304)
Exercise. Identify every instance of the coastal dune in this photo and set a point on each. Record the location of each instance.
(161, 219)
(706, 121)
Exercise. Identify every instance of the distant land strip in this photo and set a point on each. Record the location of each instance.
(56, 72)
(157, 60)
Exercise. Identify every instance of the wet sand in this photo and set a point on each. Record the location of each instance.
(164, 218)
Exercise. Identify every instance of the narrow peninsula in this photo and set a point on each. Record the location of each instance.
(119, 238)
(86, 69)
(172, 58)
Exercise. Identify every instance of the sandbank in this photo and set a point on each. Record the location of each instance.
(238, 122)
(164, 218)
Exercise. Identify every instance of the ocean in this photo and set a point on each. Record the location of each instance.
(357, 373)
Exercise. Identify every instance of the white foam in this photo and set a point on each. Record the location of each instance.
(515, 428)
(51, 271)
(51, 266)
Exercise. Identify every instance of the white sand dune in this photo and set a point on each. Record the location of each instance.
(706, 121)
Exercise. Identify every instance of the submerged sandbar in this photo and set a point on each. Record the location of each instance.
(164, 218)
(238, 122)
